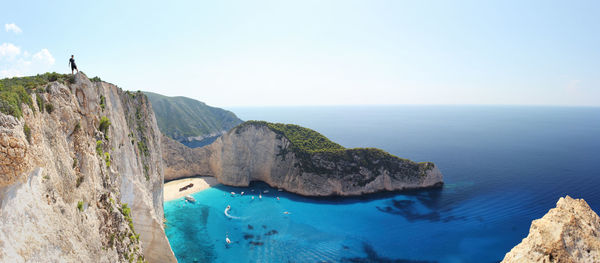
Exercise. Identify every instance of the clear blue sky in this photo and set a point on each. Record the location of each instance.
(257, 53)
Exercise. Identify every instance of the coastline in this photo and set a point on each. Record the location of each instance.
(171, 188)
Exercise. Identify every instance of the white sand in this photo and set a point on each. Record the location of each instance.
(171, 189)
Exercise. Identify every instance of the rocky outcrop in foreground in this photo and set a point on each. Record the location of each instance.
(568, 233)
(260, 151)
(81, 176)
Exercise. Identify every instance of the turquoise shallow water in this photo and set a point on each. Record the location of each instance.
(503, 167)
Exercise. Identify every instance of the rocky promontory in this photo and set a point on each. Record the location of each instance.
(81, 175)
(298, 160)
(568, 233)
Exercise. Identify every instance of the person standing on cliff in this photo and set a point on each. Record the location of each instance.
(73, 66)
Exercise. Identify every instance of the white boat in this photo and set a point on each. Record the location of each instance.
(190, 199)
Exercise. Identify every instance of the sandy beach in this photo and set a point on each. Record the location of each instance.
(171, 189)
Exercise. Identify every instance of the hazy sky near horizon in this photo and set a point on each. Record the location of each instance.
(270, 53)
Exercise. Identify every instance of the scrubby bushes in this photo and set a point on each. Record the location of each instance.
(11, 98)
(103, 126)
(49, 107)
(302, 139)
(80, 206)
(107, 159)
(15, 91)
(99, 147)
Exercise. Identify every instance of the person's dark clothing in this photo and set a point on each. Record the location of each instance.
(72, 62)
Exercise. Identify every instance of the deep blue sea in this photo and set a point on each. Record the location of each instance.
(503, 167)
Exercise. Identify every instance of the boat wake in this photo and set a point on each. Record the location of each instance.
(226, 212)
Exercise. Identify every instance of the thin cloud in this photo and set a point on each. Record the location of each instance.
(13, 27)
(8, 50)
(17, 65)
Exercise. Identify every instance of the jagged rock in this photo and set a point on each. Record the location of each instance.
(568, 233)
(61, 200)
(257, 153)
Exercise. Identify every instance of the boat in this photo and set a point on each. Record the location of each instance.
(190, 199)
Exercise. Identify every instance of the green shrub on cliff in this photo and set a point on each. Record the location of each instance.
(302, 139)
(99, 147)
(107, 159)
(49, 107)
(11, 98)
(80, 206)
(103, 126)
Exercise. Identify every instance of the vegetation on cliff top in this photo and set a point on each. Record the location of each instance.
(16, 91)
(181, 117)
(307, 144)
(303, 139)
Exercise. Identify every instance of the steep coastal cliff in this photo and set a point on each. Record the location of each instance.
(298, 160)
(81, 176)
(568, 233)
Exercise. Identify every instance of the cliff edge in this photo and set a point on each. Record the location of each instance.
(298, 160)
(81, 175)
(568, 233)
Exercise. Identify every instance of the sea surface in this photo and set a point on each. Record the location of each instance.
(503, 167)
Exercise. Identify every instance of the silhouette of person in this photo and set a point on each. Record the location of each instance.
(73, 66)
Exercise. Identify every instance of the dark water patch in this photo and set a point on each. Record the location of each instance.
(248, 236)
(373, 257)
(409, 209)
(272, 232)
(264, 227)
(250, 227)
(256, 243)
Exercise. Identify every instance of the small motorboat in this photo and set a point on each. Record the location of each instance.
(190, 199)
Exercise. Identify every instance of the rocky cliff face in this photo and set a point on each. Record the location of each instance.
(74, 188)
(257, 153)
(568, 233)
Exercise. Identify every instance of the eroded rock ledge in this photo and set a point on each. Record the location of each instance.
(307, 164)
(568, 233)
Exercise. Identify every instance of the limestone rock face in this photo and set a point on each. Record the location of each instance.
(568, 233)
(63, 190)
(256, 153)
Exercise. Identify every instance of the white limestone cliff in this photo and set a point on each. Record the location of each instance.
(68, 161)
(569, 233)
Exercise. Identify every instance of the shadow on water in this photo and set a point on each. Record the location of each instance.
(373, 257)
(430, 199)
